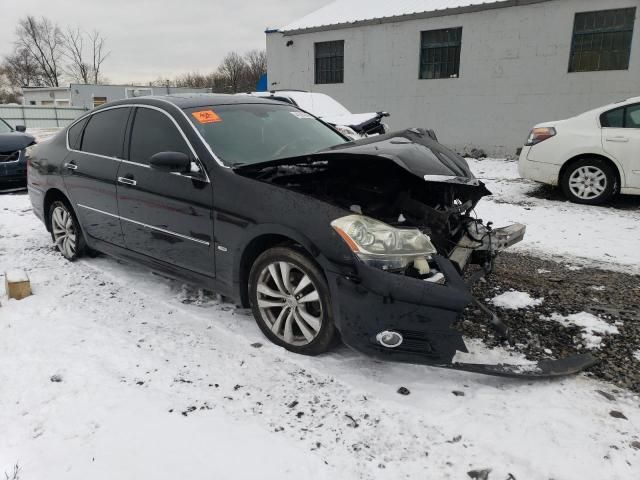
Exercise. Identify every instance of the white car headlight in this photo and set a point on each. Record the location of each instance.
(381, 245)
(348, 132)
(29, 150)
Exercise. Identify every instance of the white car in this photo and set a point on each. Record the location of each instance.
(592, 156)
(329, 110)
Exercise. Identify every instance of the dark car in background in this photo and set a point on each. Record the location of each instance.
(13, 155)
(325, 239)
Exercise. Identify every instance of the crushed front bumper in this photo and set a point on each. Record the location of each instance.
(423, 313)
(482, 240)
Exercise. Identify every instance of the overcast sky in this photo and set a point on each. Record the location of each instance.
(148, 39)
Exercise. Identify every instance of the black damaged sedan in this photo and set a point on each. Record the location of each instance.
(323, 238)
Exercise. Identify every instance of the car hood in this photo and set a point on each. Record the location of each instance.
(350, 120)
(413, 149)
(10, 142)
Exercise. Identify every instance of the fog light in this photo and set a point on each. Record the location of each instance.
(389, 339)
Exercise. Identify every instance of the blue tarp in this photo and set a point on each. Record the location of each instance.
(262, 84)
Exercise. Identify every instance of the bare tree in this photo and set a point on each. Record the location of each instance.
(21, 69)
(8, 93)
(99, 54)
(256, 66)
(233, 69)
(45, 43)
(84, 67)
(78, 69)
(235, 74)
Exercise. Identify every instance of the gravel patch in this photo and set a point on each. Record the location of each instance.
(613, 298)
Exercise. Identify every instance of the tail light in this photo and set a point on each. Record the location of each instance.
(540, 134)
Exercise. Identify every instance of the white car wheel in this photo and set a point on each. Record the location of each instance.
(590, 181)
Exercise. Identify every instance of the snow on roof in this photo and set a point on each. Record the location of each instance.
(350, 11)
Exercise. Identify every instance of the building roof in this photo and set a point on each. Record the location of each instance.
(348, 13)
(44, 89)
(72, 85)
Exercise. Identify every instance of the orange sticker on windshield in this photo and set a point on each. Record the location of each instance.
(206, 116)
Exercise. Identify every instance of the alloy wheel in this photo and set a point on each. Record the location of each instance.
(64, 231)
(289, 302)
(587, 182)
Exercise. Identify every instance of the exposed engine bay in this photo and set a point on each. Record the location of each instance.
(381, 189)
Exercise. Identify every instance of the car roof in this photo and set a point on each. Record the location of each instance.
(611, 106)
(191, 100)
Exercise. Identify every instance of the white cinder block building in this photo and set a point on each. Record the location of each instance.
(480, 73)
(89, 96)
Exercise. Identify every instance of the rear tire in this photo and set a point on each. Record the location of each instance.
(590, 181)
(65, 231)
(290, 301)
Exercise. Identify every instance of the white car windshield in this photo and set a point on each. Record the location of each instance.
(4, 128)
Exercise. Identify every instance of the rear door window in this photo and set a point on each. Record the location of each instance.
(632, 117)
(154, 132)
(104, 134)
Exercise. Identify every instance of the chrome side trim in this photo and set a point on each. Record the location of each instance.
(129, 162)
(151, 107)
(169, 232)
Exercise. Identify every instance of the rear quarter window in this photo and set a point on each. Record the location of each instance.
(613, 118)
(75, 134)
(104, 134)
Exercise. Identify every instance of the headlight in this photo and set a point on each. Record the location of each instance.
(382, 245)
(29, 150)
(348, 132)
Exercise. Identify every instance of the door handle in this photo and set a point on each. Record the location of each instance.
(618, 139)
(127, 181)
(71, 166)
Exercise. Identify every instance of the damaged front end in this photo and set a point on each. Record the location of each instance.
(409, 219)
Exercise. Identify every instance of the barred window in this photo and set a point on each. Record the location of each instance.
(330, 62)
(440, 53)
(602, 40)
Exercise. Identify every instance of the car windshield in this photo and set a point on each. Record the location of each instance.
(4, 128)
(258, 132)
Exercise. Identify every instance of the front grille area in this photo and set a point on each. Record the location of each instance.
(9, 156)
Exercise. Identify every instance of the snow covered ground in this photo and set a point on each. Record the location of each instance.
(515, 300)
(110, 371)
(592, 327)
(42, 134)
(576, 234)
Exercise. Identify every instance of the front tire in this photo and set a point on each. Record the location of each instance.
(590, 181)
(290, 301)
(65, 231)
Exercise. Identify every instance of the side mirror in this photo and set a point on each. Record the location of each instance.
(171, 162)
(21, 128)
